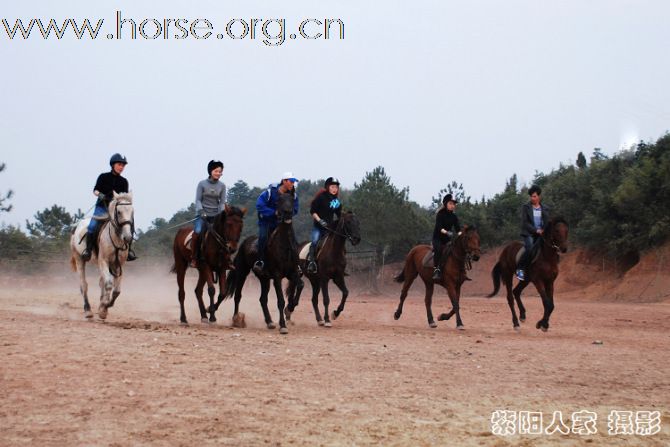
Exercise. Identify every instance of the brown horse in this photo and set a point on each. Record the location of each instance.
(281, 261)
(542, 271)
(219, 245)
(331, 262)
(463, 249)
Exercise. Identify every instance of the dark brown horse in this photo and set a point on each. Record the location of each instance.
(463, 249)
(281, 261)
(219, 245)
(542, 271)
(331, 262)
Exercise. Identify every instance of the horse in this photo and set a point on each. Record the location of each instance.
(281, 261)
(331, 261)
(458, 257)
(219, 245)
(542, 272)
(114, 237)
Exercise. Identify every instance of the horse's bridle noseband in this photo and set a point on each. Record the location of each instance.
(119, 225)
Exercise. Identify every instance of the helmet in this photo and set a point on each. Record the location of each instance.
(289, 176)
(448, 198)
(212, 165)
(117, 158)
(331, 181)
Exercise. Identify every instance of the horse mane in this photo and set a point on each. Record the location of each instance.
(555, 221)
(124, 196)
(235, 211)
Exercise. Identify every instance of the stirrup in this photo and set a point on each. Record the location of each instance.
(131, 256)
(258, 266)
(86, 255)
(311, 267)
(520, 275)
(437, 273)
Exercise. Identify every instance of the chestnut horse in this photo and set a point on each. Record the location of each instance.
(331, 262)
(463, 250)
(281, 261)
(219, 245)
(542, 272)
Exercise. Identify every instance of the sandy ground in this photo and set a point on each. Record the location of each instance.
(142, 379)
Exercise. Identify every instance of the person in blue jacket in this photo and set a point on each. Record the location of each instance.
(266, 205)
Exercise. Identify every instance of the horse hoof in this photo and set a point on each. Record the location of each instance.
(334, 315)
(443, 317)
(287, 314)
(88, 314)
(517, 328)
(184, 323)
(102, 313)
(328, 324)
(538, 325)
(432, 324)
(544, 329)
(460, 328)
(204, 320)
(523, 319)
(272, 325)
(320, 322)
(212, 321)
(396, 316)
(283, 331)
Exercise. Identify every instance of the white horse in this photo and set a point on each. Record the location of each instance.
(114, 236)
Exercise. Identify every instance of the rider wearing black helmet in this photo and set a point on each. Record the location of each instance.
(326, 210)
(107, 184)
(446, 227)
(210, 200)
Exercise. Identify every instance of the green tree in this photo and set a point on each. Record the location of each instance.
(52, 223)
(581, 160)
(5, 197)
(387, 217)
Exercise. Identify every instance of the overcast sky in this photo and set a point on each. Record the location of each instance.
(434, 91)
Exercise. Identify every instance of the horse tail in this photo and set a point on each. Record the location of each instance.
(73, 263)
(231, 283)
(400, 277)
(495, 275)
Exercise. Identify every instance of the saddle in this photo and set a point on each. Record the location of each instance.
(428, 258)
(305, 250)
(534, 253)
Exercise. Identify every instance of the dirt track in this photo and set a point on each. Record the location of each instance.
(141, 379)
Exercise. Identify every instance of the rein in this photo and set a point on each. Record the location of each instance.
(118, 270)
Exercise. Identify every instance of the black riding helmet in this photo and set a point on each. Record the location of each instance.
(448, 198)
(212, 165)
(331, 181)
(117, 158)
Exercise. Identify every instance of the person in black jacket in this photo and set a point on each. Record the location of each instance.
(326, 210)
(534, 217)
(446, 227)
(107, 184)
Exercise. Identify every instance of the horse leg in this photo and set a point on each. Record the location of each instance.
(181, 273)
(106, 284)
(339, 282)
(238, 291)
(454, 293)
(265, 289)
(315, 300)
(517, 296)
(430, 287)
(281, 303)
(116, 290)
(326, 302)
(211, 291)
(510, 301)
(295, 299)
(547, 294)
(409, 279)
(200, 285)
(83, 286)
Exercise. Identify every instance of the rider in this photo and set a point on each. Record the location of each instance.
(107, 184)
(267, 213)
(446, 226)
(210, 200)
(326, 210)
(534, 217)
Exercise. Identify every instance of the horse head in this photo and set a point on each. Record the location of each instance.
(470, 237)
(122, 216)
(232, 226)
(285, 208)
(556, 234)
(350, 227)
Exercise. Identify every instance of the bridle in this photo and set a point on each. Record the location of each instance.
(118, 228)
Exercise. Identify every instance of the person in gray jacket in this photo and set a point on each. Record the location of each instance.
(210, 200)
(534, 217)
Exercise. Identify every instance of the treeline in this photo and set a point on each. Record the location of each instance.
(619, 205)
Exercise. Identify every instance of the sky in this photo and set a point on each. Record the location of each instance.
(433, 91)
